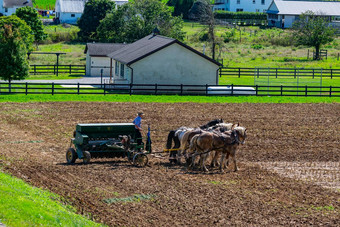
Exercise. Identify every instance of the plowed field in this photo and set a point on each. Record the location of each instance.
(289, 169)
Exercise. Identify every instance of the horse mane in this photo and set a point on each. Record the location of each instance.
(240, 130)
(211, 123)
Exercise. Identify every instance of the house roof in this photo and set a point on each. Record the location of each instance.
(14, 3)
(102, 49)
(72, 6)
(299, 7)
(147, 46)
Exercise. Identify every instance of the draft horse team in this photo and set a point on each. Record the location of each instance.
(214, 139)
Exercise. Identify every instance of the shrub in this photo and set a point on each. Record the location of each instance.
(257, 46)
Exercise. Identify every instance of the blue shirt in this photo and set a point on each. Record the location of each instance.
(137, 121)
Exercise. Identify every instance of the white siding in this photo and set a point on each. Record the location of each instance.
(174, 65)
(67, 18)
(245, 5)
(95, 64)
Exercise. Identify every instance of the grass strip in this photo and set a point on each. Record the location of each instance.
(164, 99)
(24, 205)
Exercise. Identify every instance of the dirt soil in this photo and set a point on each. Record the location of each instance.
(34, 139)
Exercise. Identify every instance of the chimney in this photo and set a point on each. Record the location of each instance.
(155, 31)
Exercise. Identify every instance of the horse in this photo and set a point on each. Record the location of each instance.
(226, 143)
(177, 135)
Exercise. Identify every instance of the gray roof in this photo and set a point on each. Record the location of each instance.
(72, 6)
(102, 49)
(299, 7)
(147, 46)
(16, 3)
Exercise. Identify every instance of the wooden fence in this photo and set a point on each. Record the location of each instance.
(157, 89)
(277, 72)
(55, 69)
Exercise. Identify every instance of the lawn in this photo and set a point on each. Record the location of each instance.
(44, 4)
(24, 205)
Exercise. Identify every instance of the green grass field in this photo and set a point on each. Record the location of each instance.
(24, 205)
(164, 99)
(44, 4)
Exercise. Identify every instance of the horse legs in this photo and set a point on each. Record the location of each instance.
(234, 159)
(192, 161)
(202, 160)
(214, 160)
(222, 161)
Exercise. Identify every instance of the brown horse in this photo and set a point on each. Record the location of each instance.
(226, 143)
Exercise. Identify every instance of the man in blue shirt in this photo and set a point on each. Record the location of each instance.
(137, 122)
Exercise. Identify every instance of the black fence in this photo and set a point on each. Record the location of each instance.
(279, 72)
(160, 89)
(56, 69)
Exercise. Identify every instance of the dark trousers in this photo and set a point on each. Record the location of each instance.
(138, 137)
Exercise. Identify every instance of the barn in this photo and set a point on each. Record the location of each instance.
(8, 7)
(157, 59)
(69, 11)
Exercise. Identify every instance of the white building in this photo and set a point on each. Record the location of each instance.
(259, 6)
(156, 59)
(97, 59)
(69, 11)
(282, 14)
(8, 7)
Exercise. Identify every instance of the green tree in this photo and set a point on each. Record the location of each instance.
(137, 19)
(31, 17)
(13, 61)
(181, 7)
(94, 12)
(22, 28)
(314, 31)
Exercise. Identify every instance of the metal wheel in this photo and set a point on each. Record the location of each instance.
(71, 155)
(87, 157)
(140, 160)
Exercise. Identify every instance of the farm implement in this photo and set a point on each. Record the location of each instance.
(108, 140)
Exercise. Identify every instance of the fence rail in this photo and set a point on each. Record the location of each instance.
(156, 89)
(55, 69)
(279, 72)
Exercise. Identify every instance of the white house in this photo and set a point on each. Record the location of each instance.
(260, 6)
(156, 59)
(8, 7)
(282, 14)
(69, 11)
(97, 59)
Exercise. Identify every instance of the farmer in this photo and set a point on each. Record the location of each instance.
(137, 122)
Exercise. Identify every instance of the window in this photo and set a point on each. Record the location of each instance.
(6, 10)
(121, 71)
(263, 2)
(73, 15)
(116, 68)
(254, 2)
(238, 1)
(239, 10)
(257, 10)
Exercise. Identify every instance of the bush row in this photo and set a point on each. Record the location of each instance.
(239, 15)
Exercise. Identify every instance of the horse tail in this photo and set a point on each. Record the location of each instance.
(171, 135)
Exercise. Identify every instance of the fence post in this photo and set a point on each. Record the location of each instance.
(130, 88)
(155, 89)
(53, 69)
(221, 72)
(70, 69)
(78, 88)
(295, 73)
(276, 73)
(206, 89)
(281, 90)
(35, 69)
(232, 89)
(258, 72)
(313, 73)
(330, 91)
(26, 88)
(104, 88)
(306, 90)
(181, 89)
(239, 72)
(52, 88)
(256, 89)
(331, 73)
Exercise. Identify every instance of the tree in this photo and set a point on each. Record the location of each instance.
(22, 28)
(181, 7)
(94, 12)
(202, 11)
(13, 61)
(31, 17)
(137, 19)
(314, 31)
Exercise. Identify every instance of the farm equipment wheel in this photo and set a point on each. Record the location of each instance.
(140, 160)
(71, 155)
(87, 157)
